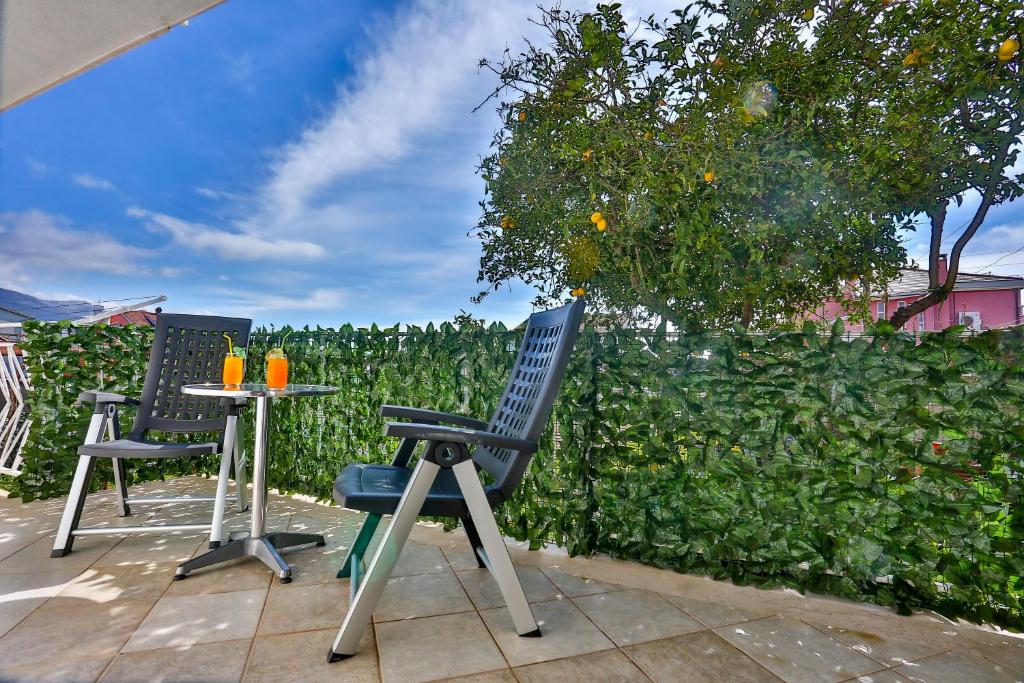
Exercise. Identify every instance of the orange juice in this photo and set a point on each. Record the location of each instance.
(277, 372)
(234, 368)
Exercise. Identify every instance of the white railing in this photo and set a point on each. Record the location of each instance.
(14, 422)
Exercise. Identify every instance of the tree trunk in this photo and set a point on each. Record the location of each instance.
(939, 292)
(748, 312)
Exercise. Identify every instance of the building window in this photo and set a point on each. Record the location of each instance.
(920, 321)
(901, 305)
(880, 310)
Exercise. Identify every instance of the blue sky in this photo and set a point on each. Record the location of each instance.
(308, 162)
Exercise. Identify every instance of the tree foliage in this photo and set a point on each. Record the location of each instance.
(749, 160)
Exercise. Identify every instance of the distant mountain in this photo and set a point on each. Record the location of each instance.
(17, 306)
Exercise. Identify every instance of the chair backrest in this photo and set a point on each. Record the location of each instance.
(187, 349)
(525, 407)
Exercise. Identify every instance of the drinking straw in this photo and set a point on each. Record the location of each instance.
(231, 346)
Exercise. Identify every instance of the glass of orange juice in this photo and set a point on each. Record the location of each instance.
(234, 365)
(277, 369)
(234, 370)
(277, 365)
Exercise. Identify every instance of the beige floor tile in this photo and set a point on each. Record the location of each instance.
(304, 608)
(566, 632)
(499, 676)
(419, 559)
(127, 582)
(635, 616)
(152, 549)
(1003, 648)
(795, 651)
(701, 657)
(957, 666)
(190, 619)
(56, 671)
(303, 657)
(21, 594)
(436, 647)
(239, 575)
(36, 557)
(421, 595)
(885, 676)
(336, 532)
(15, 535)
(484, 591)
(886, 650)
(461, 557)
(576, 586)
(203, 663)
(608, 666)
(314, 565)
(714, 614)
(82, 630)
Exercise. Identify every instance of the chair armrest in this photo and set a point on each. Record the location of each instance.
(426, 432)
(106, 397)
(431, 417)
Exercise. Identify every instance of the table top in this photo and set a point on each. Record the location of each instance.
(257, 390)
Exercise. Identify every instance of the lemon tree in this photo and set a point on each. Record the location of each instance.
(746, 160)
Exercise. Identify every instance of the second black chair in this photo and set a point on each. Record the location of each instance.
(444, 481)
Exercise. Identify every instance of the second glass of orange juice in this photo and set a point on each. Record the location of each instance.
(277, 369)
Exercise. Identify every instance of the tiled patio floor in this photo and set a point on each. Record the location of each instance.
(109, 611)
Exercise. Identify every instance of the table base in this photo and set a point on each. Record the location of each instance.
(263, 548)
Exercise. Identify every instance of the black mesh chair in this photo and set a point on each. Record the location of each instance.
(187, 349)
(444, 481)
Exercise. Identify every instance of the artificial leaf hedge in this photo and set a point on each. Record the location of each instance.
(800, 458)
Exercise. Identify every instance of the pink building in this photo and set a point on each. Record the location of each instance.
(981, 302)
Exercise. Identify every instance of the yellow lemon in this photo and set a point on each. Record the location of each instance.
(522, 116)
(602, 225)
(914, 58)
(579, 291)
(1008, 50)
(588, 155)
(596, 217)
(709, 176)
(808, 14)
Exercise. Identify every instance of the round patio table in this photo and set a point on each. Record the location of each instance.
(258, 543)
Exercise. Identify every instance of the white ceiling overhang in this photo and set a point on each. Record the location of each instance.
(46, 42)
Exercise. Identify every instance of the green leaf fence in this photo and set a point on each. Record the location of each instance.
(882, 468)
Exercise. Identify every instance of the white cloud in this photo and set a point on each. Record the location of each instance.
(317, 299)
(36, 167)
(216, 194)
(36, 243)
(92, 182)
(415, 78)
(230, 245)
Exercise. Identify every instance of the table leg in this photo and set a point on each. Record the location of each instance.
(259, 544)
(259, 469)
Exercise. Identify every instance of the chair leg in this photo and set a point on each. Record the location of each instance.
(498, 559)
(384, 557)
(120, 480)
(220, 499)
(79, 489)
(241, 480)
(474, 540)
(359, 545)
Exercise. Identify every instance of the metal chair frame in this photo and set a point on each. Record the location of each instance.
(163, 407)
